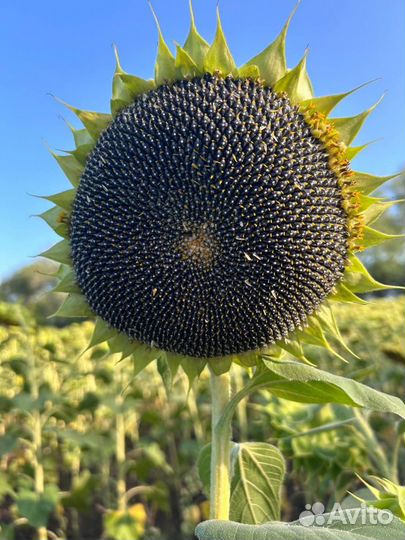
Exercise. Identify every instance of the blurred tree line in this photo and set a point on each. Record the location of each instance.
(30, 286)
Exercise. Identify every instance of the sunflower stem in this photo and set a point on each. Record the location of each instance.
(220, 451)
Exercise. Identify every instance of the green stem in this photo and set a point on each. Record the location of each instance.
(120, 457)
(38, 467)
(220, 450)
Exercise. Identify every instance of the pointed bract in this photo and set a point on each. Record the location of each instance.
(196, 46)
(72, 168)
(165, 69)
(359, 280)
(55, 218)
(184, 64)
(67, 284)
(94, 122)
(296, 83)
(75, 305)
(272, 62)
(367, 183)
(325, 104)
(219, 58)
(60, 252)
(349, 127)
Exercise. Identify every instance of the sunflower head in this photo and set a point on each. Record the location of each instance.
(214, 215)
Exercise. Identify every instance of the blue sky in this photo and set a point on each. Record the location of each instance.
(65, 49)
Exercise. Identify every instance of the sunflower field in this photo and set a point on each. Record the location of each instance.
(117, 455)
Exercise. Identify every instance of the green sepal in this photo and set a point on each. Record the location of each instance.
(64, 199)
(294, 348)
(272, 62)
(75, 305)
(353, 151)
(174, 361)
(81, 137)
(296, 83)
(221, 364)
(247, 359)
(185, 65)
(102, 332)
(193, 367)
(120, 343)
(325, 104)
(219, 57)
(349, 127)
(67, 284)
(60, 252)
(165, 68)
(94, 122)
(72, 168)
(195, 46)
(343, 294)
(126, 88)
(376, 208)
(314, 334)
(52, 218)
(367, 183)
(359, 280)
(249, 72)
(372, 237)
(143, 356)
(327, 319)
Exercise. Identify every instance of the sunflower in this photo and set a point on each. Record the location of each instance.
(214, 215)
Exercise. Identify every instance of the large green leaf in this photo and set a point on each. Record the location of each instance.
(302, 383)
(342, 526)
(256, 484)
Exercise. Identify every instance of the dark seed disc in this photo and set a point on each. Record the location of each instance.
(208, 221)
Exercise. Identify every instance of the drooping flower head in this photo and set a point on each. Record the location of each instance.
(214, 213)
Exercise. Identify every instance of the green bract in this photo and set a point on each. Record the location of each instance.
(197, 61)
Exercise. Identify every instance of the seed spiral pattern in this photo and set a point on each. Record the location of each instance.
(208, 221)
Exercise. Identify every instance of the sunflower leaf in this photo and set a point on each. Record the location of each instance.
(219, 57)
(306, 384)
(75, 305)
(296, 82)
(340, 526)
(350, 126)
(259, 470)
(196, 46)
(60, 252)
(272, 62)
